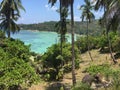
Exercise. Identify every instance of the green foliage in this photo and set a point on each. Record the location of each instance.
(80, 27)
(2, 34)
(61, 26)
(10, 12)
(81, 86)
(114, 39)
(15, 69)
(55, 63)
(116, 43)
(95, 69)
(110, 74)
(82, 43)
(103, 42)
(99, 42)
(16, 48)
(16, 72)
(116, 79)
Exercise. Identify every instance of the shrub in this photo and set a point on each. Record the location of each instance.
(16, 48)
(2, 34)
(53, 59)
(82, 43)
(103, 69)
(82, 86)
(116, 79)
(116, 44)
(15, 69)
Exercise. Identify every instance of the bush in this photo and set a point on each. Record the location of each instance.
(82, 86)
(110, 74)
(15, 69)
(2, 34)
(103, 69)
(53, 59)
(116, 79)
(82, 43)
(116, 44)
(16, 48)
(99, 42)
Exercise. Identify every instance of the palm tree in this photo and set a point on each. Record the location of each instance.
(100, 4)
(73, 50)
(112, 17)
(63, 31)
(67, 3)
(113, 14)
(109, 19)
(63, 4)
(89, 16)
(9, 11)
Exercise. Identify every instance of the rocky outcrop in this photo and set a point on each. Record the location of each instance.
(96, 81)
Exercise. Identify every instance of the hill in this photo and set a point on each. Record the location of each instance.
(80, 27)
(99, 59)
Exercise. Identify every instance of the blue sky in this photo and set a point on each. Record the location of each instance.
(38, 11)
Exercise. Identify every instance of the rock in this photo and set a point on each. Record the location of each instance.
(32, 58)
(88, 79)
(96, 81)
(38, 57)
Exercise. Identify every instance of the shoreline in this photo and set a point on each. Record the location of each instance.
(50, 31)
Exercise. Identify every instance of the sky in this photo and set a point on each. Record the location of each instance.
(38, 11)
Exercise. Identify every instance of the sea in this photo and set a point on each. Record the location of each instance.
(39, 40)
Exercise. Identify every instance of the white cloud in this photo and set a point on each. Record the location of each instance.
(98, 14)
(21, 18)
(77, 18)
(57, 1)
(78, 6)
(46, 6)
(54, 8)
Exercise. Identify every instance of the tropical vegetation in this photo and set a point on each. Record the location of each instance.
(10, 12)
(15, 68)
(89, 16)
(20, 68)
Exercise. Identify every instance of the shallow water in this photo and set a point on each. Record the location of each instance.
(39, 41)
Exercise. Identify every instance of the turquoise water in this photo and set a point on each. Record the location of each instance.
(39, 41)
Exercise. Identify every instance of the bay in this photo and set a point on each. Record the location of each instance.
(39, 40)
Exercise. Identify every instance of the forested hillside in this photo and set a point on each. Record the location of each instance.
(80, 27)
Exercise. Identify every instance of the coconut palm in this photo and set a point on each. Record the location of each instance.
(88, 16)
(113, 13)
(63, 31)
(10, 12)
(110, 18)
(67, 3)
(73, 50)
(63, 4)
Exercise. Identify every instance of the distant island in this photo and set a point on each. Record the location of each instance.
(80, 27)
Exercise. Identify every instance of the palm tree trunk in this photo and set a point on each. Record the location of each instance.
(109, 42)
(61, 36)
(73, 51)
(8, 20)
(110, 49)
(8, 33)
(88, 43)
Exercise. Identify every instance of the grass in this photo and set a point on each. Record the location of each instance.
(67, 80)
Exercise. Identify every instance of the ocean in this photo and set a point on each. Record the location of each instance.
(39, 40)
